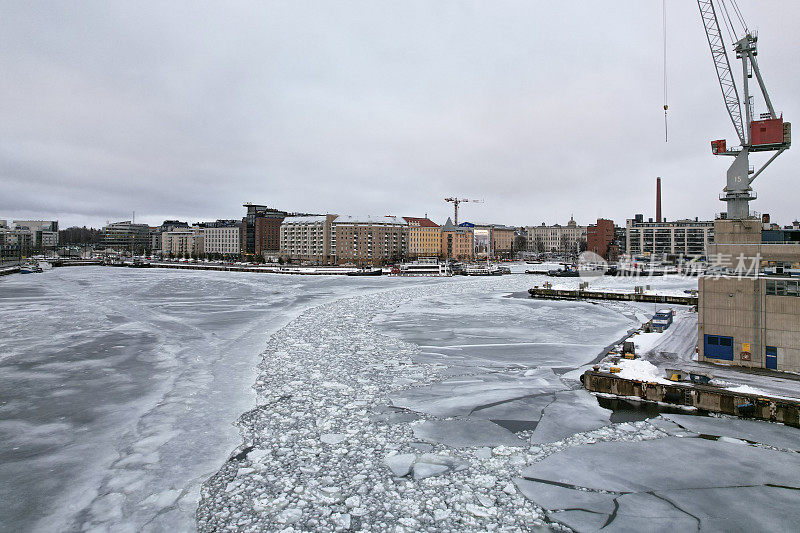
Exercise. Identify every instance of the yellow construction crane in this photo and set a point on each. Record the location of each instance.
(457, 201)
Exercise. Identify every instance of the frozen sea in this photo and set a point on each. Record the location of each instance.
(119, 388)
(153, 400)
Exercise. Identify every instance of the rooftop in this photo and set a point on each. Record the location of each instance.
(368, 219)
(422, 222)
(305, 220)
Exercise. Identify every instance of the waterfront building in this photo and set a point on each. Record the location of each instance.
(688, 238)
(307, 239)
(127, 236)
(491, 240)
(167, 225)
(184, 242)
(600, 237)
(44, 232)
(424, 237)
(750, 321)
(557, 239)
(223, 237)
(458, 242)
(15, 243)
(749, 316)
(369, 240)
(620, 240)
(501, 238)
(261, 229)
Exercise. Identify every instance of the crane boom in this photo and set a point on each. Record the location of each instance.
(455, 201)
(724, 73)
(768, 134)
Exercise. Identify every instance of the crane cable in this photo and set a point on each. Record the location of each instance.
(664, 29)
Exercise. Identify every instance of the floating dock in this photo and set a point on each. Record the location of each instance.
(582, 294)
(703, 397)
(9, 270)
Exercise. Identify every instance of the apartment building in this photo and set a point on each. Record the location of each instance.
(307, 239)
(424, 237)
(185, 241)
(559, 239)
(14, 242)
(167, 225)
(44, 232)
(502, 239)
(223, 237)
(368, 240)
(689, 238)
(458, 242)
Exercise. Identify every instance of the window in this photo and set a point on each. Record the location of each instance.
(713, 340)
(783, 287)
(725, 341)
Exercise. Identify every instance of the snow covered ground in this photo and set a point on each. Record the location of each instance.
(158, 399)
(675, 348)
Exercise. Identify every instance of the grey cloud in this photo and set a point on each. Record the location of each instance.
(541, 109)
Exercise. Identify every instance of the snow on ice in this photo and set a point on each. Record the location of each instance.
(442, 404)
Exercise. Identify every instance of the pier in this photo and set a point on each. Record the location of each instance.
(582, 294)
(704, 397)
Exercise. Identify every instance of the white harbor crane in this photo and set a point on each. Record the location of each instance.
(768, 134)
(455, 200)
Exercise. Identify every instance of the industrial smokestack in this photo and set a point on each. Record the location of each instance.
(658, 199)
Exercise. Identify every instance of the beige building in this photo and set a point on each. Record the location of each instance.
(689, 238)
(751, 321)
(424, 237)
(223, 240)
(458, 242)
(748, 318)
(186, 241)
(502, 241)
(307, 239)
(557, 238)
(750, 238)
(369, 240)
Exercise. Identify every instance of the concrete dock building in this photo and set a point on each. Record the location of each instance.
(751, 316)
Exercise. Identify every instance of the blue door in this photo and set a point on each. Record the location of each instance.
(718, 347)
(772, 357)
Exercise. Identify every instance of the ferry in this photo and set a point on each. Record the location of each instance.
(484, 269)
(423, 267)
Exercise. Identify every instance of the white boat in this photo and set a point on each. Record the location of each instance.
(30, 267)
(480, 269)
(423, 267)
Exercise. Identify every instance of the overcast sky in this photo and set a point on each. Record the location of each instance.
(541, 109)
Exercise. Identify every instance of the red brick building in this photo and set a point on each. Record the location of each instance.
(599, 237)
(261, 229)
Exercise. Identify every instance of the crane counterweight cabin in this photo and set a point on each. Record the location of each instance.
(768, 134)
